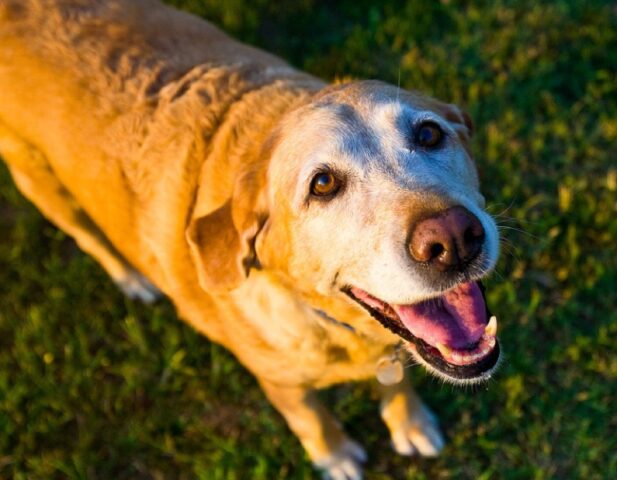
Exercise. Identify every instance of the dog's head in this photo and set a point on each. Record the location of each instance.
(371, 197)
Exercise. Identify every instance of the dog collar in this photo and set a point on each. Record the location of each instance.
(334, 321)
(389, 370)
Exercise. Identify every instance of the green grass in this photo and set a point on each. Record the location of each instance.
(95, 386)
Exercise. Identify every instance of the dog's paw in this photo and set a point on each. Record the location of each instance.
(137, 287)
(420, 434)
(344, 464)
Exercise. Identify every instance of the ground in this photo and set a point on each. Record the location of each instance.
(95, 386)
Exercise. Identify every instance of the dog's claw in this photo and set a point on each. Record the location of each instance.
(344, 464)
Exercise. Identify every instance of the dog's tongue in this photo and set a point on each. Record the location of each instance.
(457, 319)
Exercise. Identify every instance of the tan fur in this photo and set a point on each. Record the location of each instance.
(147, 135)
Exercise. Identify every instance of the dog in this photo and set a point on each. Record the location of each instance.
(319, 232)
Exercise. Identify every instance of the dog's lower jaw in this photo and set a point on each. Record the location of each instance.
(468, 364)
(480, 378)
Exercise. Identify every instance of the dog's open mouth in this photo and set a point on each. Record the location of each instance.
(454, 334)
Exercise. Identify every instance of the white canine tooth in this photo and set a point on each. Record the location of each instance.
(445, 351)
(491, 328)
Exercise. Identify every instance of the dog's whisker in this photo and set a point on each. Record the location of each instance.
(513, 255)
(501, 218)
(398, 85)
(508, 245)
(504, 220)
(517, 230)
(498, 274)
(510, 250)
(511, 204)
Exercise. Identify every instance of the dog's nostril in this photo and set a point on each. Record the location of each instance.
(473, 238)
(448, 239)
(436, 250)
(469, 236)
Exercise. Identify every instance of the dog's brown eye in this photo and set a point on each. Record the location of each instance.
(324, 183)
(429, 134)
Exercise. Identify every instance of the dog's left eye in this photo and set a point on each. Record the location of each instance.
(429, 134)
(324, 184)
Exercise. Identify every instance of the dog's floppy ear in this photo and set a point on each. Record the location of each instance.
(464, 125)
(468, 122)
(460, 120)
(221, 241)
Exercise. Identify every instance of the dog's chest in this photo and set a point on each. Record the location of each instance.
(310, 346)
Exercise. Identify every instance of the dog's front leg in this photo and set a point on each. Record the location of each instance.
(330, 449)
(413, 427)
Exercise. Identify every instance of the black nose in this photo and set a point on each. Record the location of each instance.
(448, 240)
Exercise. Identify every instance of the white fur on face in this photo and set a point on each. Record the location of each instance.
(359, 237)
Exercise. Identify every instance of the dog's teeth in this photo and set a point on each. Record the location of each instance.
(445, 351)
(491, 328)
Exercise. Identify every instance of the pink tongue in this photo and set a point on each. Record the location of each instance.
(456, 319)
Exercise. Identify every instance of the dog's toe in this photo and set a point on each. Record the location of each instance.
(344, 470)
(420, 435)
(355, 450)
(402, 444)
(428, 441)
(137, 287)
(345, 463)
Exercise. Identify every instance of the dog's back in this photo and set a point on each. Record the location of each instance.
(89, 90)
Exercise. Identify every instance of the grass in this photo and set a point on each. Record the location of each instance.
(95, 386)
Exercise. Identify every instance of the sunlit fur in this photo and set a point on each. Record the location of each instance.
(181, 161)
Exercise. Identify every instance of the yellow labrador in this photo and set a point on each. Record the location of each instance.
(311, 229)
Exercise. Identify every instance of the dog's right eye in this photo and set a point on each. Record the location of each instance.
(324, 184)
(429, 134)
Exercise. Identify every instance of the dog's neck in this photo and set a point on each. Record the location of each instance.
(238, 145)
